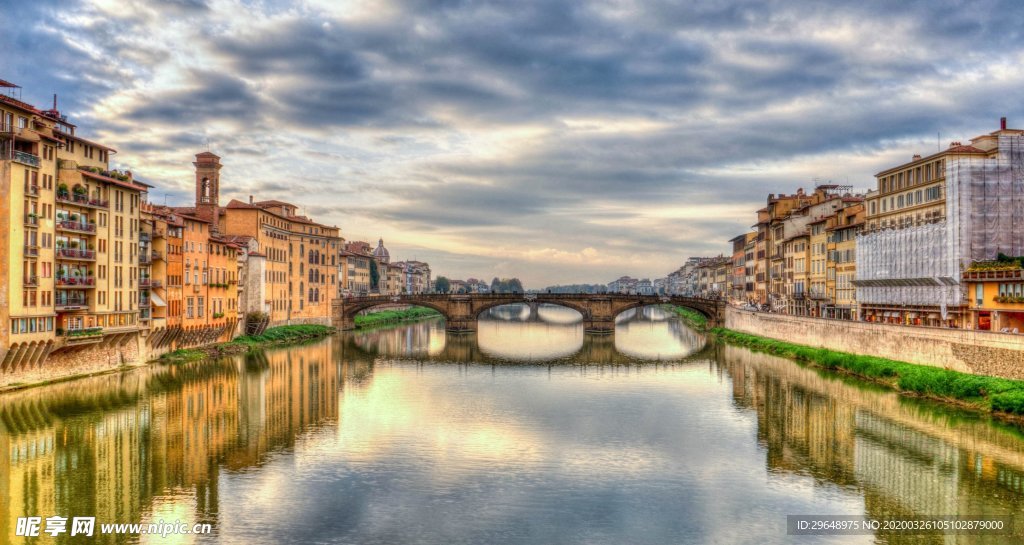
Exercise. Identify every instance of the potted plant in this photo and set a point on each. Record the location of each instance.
(62, 190)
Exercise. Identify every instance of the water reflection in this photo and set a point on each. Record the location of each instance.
(401, 436)
(541, 333)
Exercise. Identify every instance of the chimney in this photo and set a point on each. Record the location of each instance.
(1002, 123)
(916, 157)
(250, 199)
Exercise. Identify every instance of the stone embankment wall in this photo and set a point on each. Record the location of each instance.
(84, 360)
(969, 351)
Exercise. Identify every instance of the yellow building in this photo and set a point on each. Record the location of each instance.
(995, 295)
(70, 233)
(842, 263)
(795, 277)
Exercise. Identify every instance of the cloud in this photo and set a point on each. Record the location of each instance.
(488, 137)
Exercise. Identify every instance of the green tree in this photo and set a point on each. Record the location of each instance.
(495, 285)
(515, 286)
(441, 285)
(374, 274)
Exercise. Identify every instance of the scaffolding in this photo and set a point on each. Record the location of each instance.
(921, 265)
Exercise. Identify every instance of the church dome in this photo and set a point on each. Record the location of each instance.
(380, 253)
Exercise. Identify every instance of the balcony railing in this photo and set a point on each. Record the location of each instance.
(157, 254)
(76, 281)
(144, 236)
(84, 336)
(144, 259)
(31, 281)
(32, 190)
(31, 220)
(156, 284)
(81, 227)
(82, 200)
(66, 303)
(31, 250)
(75, 253)
(144, 302)
(25, 158)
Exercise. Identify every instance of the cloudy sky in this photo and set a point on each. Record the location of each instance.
(559, 141)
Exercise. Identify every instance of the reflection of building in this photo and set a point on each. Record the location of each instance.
(108, 446)
(904, 465)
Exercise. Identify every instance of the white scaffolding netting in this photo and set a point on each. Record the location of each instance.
(921, 265)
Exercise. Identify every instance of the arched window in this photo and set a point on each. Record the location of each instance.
(205, 191)
(311, 255)
(310, 276)
(316, 295)
(310, 295)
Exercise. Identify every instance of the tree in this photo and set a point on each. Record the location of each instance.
(374, 274)
(515, 286)
(495, 285)
(441, 285)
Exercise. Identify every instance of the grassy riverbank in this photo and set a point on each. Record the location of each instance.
(980, 392)
(275, 335)
(692, 318)
(386, 317)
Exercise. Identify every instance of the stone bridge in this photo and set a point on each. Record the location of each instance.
(460, 311)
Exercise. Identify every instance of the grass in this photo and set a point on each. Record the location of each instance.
(383, 317)
(692, 318)
(978, 391)
(275, 335)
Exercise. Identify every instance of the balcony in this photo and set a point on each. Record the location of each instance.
(159, 233)
(25, 158)
(30, 281)
(81, 200)
(32, 191)
(31, 220)
(144, 314)
(144, 259)
(84, 336)
(144, 302)
(76, 254)
(157, 254)
(76, 226)
(71, 302)
(31, 250)
(76, 282)
(145, 283)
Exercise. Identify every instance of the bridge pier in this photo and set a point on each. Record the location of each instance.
(461, 324)
(599, 326)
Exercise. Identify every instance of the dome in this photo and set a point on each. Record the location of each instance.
(381, 253)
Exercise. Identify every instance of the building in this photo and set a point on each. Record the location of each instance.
(354, 262)
(301, 255)
(929, 219)
(995, 295)
(842, 263)
(740, 289)
(70, 229)
(417, 277)
(624, 284)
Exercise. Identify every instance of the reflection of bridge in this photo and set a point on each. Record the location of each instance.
(596, 350)
(460, 311)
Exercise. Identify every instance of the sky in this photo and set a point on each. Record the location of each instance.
(557, 141)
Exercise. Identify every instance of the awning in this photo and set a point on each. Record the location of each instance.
(157, 301)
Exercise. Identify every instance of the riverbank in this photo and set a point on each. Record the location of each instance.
(274, 336)
(388, 317)
(691, 318)
(985, 393)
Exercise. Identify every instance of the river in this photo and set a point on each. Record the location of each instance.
(527, 432)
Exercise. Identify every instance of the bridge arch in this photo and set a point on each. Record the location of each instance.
(480, 309)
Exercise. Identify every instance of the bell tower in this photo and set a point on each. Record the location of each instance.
(208, 188)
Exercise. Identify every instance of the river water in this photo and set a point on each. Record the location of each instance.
(527, 432)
